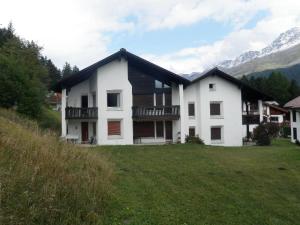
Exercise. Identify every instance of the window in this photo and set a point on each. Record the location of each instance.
(114, 99)
(94, 99)
(294, 116)
(212, 87)
(158, 84)
(216, 109)
(159, 129)
(274, 119)
(216, 133)
(192, 131)
(295, 133)
(191, 109)
(159, 99)
(114, 128)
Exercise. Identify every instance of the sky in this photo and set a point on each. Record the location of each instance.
(182, 36)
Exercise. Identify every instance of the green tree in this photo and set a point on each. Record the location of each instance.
(67, 70)
(277, 86)
(294, 89)
(21, 75)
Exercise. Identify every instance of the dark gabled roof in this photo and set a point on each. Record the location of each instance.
(132, 59)
(248, 92)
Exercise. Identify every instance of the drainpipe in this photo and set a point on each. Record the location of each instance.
(182, 122)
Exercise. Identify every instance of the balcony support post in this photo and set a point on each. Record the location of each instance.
(182, 122)
(260, 110)
(63, 112)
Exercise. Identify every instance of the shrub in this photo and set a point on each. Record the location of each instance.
(193, 139)
(261, 135)
(50, 119)
(272, 129)
(45, 181)
(286, 131)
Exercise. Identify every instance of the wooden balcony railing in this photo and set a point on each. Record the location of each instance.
(251, 119)
(81, 113)
(156, 112)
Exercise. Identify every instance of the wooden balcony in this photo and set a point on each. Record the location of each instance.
(81, 113)
(156, 112)
(251, 119)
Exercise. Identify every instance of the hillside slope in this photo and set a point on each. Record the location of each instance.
(45, 181)
(281, 59)
(292, 72)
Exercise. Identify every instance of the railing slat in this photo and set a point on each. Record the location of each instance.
(154, 112)
(81, 113)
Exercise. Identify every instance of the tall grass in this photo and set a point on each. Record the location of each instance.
(45, 181)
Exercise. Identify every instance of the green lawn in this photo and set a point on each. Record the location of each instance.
(193, 184)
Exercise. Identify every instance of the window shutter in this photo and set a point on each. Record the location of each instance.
(114, 127)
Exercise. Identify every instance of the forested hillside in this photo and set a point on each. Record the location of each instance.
(26, 76)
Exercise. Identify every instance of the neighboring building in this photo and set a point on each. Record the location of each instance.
(54, 100)
(124, 99)
(294, 108)
(274, 113)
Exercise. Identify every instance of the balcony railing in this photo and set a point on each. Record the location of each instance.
(156, 112)
(81, 113)
(251, 119)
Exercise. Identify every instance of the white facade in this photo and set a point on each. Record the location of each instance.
(112, 77)
(230, 120)
(295, 125)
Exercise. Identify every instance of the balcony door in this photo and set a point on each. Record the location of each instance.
(84, 101)
(84, 132)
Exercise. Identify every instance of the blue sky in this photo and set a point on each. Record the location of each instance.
(172, 39)
(181, 35)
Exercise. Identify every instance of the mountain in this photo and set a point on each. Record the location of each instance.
(285, 41)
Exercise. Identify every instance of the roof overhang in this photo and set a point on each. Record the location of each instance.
(133, 60)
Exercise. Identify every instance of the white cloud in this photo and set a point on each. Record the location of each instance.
(78, 31)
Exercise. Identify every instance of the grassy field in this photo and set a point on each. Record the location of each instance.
(45, 181)
(192, 184)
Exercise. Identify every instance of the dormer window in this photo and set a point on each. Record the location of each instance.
(212, 87)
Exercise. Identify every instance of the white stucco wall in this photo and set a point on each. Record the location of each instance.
(114, 76)
(230, 96)
(295, 125)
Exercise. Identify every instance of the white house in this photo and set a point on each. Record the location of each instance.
(124, 99)
(294, 108)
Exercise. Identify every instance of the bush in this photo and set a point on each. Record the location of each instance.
(261, 135)
(193, 140)
(286, 131)
(44, 181)
(272, 129)
(50, 119)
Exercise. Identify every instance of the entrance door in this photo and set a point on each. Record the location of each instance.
(169, 130)
(84, 101)
(84, 132)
